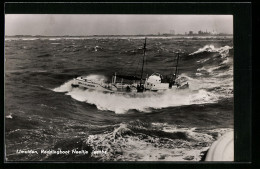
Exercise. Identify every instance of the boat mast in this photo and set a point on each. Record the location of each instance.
(176, 68)
(143, 62)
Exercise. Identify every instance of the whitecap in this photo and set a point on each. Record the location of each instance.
(223, 51)
(9, 116)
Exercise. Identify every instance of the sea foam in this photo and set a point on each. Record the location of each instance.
(211, 48)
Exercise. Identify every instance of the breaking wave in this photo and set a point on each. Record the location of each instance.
(210, 48)
(219, 65)
(158, 142)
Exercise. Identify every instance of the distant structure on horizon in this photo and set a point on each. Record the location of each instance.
(200, 32)
(172, 32)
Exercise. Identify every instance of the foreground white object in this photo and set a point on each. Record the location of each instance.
(222, 149)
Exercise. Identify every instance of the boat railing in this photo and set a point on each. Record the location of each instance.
(156, 74)
(89, 81)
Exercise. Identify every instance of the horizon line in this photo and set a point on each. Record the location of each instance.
(164, 34)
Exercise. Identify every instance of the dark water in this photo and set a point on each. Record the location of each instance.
(44, 113)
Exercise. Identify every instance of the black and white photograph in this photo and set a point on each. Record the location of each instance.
(118, 87)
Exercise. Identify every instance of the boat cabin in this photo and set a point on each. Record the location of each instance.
(154, 83)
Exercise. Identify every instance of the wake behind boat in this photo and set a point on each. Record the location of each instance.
(125, 83)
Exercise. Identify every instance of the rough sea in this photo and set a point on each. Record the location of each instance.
(44, 113)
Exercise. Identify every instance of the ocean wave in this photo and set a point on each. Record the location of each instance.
(9, 116)
(18, 39)
(219, 86)
(215, 65)
(54, 39)
(159, 142)
(215, 71)
(225, 73)
(44, 55)
(29, 39)
(66, 87)
(97, 48)
(203, 60)
(223, 51)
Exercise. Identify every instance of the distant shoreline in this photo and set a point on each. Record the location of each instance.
(165, 35)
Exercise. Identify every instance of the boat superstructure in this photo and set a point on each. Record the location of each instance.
(124, 83)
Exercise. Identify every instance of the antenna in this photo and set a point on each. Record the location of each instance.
(176, 67)
(143, 61)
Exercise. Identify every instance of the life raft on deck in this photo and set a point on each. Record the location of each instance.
(222, 149)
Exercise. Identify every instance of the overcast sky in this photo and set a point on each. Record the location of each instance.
(49, 24)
